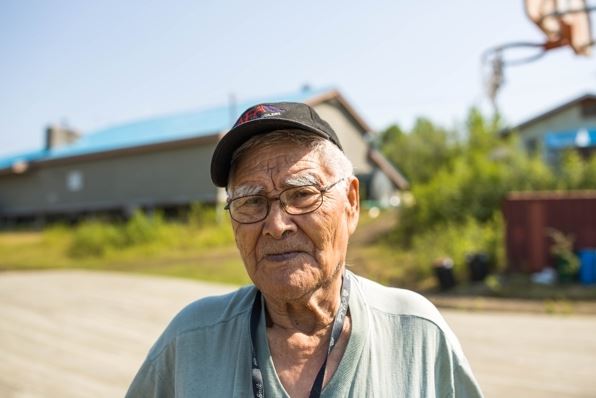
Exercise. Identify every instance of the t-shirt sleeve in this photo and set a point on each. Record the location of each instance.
(456, 379)
(154, 378)
(465, 384)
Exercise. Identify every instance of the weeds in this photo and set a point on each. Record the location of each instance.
(150, 234)
(145, 243)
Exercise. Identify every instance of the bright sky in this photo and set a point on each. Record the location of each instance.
(96, 64)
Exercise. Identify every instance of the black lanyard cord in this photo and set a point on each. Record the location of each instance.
(338, 323)
(257, 376)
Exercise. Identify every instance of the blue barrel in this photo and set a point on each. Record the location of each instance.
(587, 269)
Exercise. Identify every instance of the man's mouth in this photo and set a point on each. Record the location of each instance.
(283, 256)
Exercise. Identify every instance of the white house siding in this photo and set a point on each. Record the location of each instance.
(21, 193)
(350, 136)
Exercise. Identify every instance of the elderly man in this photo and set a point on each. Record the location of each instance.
(308, 326)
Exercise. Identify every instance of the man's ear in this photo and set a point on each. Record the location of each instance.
(353, 204)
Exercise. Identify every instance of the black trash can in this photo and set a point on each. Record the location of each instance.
(443, 268)
(478, 266)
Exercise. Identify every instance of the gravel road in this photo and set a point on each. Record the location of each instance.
(84, 334)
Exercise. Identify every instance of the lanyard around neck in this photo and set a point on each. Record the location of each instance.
(338, 323)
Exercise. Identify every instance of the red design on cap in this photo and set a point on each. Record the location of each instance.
(257, 112)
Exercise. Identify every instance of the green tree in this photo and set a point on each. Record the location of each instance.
(572, 170)
(481, 170)
(459, 181)
(589, 181)
(420, 153)
(482, 133)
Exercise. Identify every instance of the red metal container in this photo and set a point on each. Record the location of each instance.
(530, 215)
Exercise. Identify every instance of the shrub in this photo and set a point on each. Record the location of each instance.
(94, 238)
(457, 206)
(457, 241)
(150, 233)
(142, 228)
(201, 215)
(214, 236)
(576, 172)
(474, 184)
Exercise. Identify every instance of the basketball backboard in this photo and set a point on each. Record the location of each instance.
(565, 22)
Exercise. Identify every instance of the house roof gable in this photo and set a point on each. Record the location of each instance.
(550, 113)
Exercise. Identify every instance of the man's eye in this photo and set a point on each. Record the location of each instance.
(302, 196)
(248, 201)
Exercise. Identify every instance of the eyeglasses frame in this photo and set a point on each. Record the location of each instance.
(322, 192)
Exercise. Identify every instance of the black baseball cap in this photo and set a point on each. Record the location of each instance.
(261, 119)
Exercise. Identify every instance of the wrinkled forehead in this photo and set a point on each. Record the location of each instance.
(276, 167)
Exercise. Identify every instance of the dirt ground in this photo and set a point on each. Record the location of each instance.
(84, 334)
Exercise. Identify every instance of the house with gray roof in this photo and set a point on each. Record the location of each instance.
(162, 162)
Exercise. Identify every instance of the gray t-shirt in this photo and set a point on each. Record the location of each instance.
(399, 346)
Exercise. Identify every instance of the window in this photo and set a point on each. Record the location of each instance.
(532, 146)
(588, 108)
(74, 181)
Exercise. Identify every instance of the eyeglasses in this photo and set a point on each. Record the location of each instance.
(305, 199)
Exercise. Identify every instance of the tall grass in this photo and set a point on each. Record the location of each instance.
(198, 247)
(96, 238)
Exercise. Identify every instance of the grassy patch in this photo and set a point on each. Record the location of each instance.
(148, 245)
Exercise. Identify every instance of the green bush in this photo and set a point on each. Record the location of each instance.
(142, 228)
(457, 206)
(474, 184)
(576, 172)
(201, 215)
(457, 241)
(150, 234)
(214, 236)
(95, 238)
(590, 173)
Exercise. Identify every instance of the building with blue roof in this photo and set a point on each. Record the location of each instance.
(162, 162)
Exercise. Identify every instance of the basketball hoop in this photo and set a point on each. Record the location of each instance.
(564, 22)
(495, 59)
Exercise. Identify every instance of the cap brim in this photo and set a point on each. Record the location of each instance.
(222, 156)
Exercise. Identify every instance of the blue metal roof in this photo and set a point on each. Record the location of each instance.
(156, 130)
(571, 139)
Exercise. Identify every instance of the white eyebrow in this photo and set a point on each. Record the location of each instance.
(294, 181)
(301, 180)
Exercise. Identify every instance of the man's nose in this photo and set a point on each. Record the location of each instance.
(278, 223)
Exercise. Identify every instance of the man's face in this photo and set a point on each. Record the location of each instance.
(289, 256)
